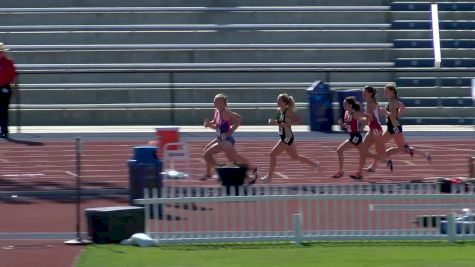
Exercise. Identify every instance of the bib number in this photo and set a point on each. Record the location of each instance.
(287, 139)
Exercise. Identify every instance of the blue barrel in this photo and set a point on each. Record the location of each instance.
(320, 101)
(144, 172)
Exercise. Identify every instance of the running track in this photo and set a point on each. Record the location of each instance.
(52, 165)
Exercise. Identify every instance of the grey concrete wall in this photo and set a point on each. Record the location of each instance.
(192, 18)
(176, 3)
(203, 77)
(216, 56)
(218, 37)
(155, 116)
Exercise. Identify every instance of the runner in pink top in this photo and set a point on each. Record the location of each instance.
(375, 133)
(393, 111)
(225, 122)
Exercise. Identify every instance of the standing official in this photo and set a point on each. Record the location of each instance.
(8, 76)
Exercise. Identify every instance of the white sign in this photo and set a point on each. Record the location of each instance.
(473, 89)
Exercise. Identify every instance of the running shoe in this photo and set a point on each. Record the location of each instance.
(205, 177)
(255, 175)
(389, 164)
(338, 175)
(428, 157)
(370, 169)
(409, 150)
(356, 176)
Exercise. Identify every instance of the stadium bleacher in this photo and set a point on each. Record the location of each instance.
(425, 6)
(157, 62)
(401, 43)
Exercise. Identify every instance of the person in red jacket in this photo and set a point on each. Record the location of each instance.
(8, 76)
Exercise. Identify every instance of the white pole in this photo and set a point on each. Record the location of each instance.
(436, 36)
(473, 90)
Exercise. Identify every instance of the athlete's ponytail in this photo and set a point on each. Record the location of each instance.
(289, 101)
(355, 105)
(372, 91)
(223, 97)
(392, 87)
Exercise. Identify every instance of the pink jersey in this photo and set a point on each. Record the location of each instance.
(222, 125)
(374, 123)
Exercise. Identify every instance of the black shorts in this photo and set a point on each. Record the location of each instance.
(286, 139)
(392, 129)
(355, 138)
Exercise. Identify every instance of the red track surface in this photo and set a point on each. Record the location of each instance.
(52, 166)
(104, 164)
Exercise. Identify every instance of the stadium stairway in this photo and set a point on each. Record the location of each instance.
(157, 62)
(449, 93)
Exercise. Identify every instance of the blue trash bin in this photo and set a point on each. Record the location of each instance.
(144, 172)
(320, 107)
(342, 94)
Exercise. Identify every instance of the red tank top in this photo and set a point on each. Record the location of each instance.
(374, 123)
(350, 123)
(7, 71)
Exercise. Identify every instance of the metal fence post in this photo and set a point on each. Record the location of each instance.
(297, 220)
(471, 167)
(451, 228)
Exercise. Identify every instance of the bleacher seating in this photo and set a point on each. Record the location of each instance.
(437, 101)
(447, 90)
(425, 6)
(429, 62)
(117, 62)
(402, 43)
(431, 81)
(426, 25)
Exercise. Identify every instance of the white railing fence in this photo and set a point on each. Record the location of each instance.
(309, 212)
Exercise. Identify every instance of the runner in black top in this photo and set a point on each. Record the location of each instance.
(393, 110)
(285, 118)
(285, 132)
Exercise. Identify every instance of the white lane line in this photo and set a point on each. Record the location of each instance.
(23, 175)
(282, 175)
(70, 173)
(409, 163)
(439, 147)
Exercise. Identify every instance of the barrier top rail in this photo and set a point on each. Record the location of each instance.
(148, 105)
(243, 69)
(191, 85)
(194, 9)
(190, 27)
(82, 47)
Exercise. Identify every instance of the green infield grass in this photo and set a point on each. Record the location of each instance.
(331, 254)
